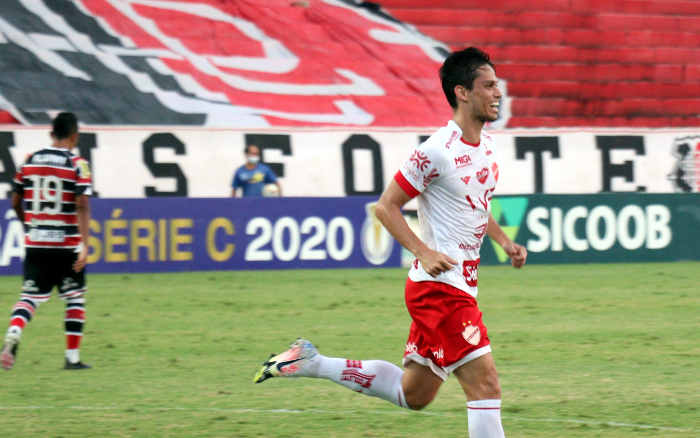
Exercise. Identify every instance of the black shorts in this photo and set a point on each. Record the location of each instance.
(46, 268)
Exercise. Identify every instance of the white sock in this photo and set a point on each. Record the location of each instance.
(73, 355)
(485, 419)
(377, 378)
(14, 331)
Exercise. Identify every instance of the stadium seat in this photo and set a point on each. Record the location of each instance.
(579, 62)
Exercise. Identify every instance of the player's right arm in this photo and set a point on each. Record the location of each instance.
(18, 196)
(388, 211)
(18, 207)
(82, 207)
(235, 184)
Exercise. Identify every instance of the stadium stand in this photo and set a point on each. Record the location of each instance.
(633, 63)
(579, 62)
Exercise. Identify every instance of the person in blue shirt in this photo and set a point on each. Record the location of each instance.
(252, 177)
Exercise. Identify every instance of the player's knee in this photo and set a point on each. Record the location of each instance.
(490, 386)
(418, 399)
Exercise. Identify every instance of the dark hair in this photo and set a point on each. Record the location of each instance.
(460, 68)
(247, 148)
(64, 125)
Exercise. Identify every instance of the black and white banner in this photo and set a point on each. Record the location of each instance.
(136, 163)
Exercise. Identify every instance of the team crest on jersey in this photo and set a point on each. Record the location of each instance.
(465, 179)
(482, 175)
(420, 160)
(463, 161)
(472, 334)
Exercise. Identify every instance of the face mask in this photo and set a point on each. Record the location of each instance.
(253, 159)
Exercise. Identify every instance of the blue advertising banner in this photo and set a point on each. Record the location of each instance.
(195, 234)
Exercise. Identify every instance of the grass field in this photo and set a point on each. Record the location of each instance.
(583, 351)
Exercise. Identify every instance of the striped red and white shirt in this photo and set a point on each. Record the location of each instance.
(49, 182)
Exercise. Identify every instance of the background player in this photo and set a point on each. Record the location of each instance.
(454, 175)
(252, 177)
(50, 197)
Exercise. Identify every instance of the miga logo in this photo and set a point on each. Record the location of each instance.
(508, 213)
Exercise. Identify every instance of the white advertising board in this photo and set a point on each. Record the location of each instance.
(132, 162)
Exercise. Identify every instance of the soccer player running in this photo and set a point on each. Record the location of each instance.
(50, 197)
(454, 175)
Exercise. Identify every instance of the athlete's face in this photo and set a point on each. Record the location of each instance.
(484, 98)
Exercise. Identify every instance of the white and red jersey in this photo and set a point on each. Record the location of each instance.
(454, 182)
(49, 182)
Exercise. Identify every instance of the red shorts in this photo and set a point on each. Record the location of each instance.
(447, 330)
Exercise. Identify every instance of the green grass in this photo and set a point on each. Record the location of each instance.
(583, 351)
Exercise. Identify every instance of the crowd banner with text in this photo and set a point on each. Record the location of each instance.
(194, 234)
(131, 162)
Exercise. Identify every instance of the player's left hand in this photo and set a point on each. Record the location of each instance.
(517, 254)
(80, 263)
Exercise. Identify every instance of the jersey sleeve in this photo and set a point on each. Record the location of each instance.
(421, 168)
(83, 183)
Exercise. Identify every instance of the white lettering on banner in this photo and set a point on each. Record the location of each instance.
(659, 233)
(631, 227)
(289, 243)
(315, 164)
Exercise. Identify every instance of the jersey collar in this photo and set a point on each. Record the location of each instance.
(454, 126)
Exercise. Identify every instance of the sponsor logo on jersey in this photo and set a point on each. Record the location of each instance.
(470, 246)
(482, 175)
(420, 160)
(49, 159)
(463, 161)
